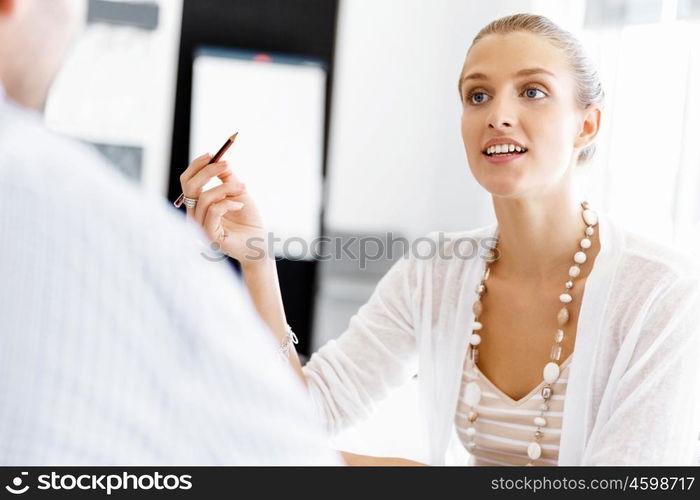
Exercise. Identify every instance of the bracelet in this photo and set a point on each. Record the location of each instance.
(290, 339)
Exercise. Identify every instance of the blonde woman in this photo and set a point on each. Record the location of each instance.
(571, 342)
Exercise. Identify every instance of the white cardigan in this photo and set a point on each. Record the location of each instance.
(633, 393)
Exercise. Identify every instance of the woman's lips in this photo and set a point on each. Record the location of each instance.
(503, 158)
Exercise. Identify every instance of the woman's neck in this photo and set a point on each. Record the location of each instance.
(538, 237)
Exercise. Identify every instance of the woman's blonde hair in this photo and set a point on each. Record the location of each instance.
(589, 89)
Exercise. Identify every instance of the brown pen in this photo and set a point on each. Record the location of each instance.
(222, 150)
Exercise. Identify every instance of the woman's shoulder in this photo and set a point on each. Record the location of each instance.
(448, 255)
(652, 269)
(454, 248)
(654, 259)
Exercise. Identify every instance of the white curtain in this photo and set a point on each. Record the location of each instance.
(647, 169)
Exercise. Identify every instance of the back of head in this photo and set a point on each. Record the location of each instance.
(34, 38)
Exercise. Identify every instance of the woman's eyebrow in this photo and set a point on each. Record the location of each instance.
(522, 72)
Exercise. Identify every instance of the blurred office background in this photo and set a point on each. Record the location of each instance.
(349, 110)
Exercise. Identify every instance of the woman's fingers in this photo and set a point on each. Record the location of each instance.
(194, 167)
(195, 184)
(198, 174)
(213, 195)
(229, 176)
(212, 222)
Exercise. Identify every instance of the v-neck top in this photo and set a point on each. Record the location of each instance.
(505, 427)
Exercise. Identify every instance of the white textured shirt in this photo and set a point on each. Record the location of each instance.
(119, 343)
(633, 390)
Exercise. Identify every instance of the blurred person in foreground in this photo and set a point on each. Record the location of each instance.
(119, 343)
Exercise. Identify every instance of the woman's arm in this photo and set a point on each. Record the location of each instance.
(365, 460)
(261, 279)
(347, 375)
(655, 417)
(229, 217)
(375, 354)
(262, 282)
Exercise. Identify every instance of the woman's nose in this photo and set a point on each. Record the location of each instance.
(501, 115)
(504, 123)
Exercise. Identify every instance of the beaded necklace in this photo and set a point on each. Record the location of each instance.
(551, 370)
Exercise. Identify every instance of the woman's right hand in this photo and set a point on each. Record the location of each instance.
(229, 217)
(226, 212)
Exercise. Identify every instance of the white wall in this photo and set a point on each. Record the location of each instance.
(118, 87)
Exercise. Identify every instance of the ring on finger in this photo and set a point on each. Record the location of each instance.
(190, 202)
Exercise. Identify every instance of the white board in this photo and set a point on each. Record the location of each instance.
(277, 106)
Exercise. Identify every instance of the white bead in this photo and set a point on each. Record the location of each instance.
(574, 271)
(563, 316)
(534, 450)
(565, 298)
(540, 421)
(590, 231)
(475, 339)
(472, 394)
(580, 257)
(585, 243)
(470, 431)
(569, 284)
(551, 372)
(476, 325)
(590, 217)
(559, 336)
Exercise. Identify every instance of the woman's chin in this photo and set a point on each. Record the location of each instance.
(505, 181)
(504, 187)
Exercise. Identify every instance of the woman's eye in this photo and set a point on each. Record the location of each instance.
(477, 97)
(533, 93)
(482, 97)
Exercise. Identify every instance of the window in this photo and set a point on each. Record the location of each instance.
(647, 168)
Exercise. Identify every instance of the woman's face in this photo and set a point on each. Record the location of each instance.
(519, 89)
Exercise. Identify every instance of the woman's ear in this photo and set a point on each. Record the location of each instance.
(589, 127)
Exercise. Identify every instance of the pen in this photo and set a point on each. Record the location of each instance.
(222, 150)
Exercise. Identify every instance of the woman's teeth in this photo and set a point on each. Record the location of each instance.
(504, 149)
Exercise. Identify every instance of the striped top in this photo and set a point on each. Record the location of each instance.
(504, 427)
